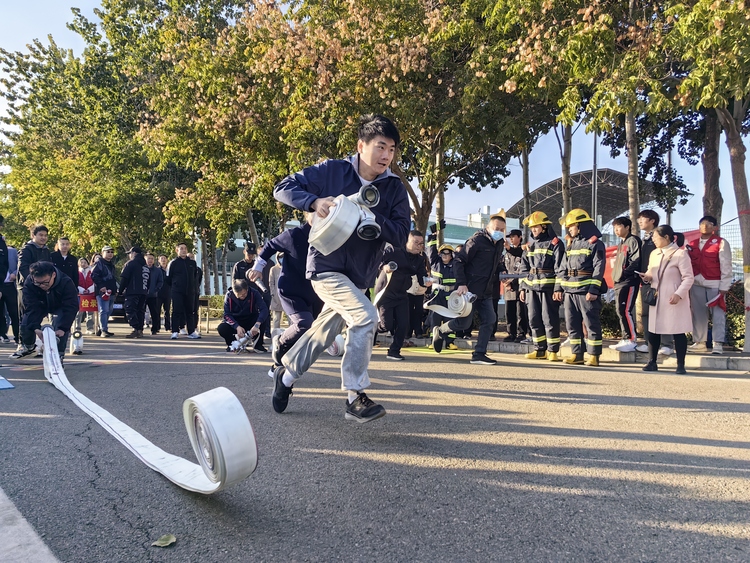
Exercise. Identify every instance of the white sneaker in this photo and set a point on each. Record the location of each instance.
(195, 335)
(174, 336)
(718, 348)
(614, 346)
(666, 351)
(183, 331)
(642, 348)
(698, 347)
(626, 346)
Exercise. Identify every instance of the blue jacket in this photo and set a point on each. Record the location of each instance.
(357, 259)
(244, 312)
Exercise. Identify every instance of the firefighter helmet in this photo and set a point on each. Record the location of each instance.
(537, 218)
(446, 247)
(575, 216)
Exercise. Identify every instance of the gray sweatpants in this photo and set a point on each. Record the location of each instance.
(344, 304)
(699, 296)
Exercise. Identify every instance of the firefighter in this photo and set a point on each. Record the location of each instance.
(583, 283)
(541, 291)
(441, 268)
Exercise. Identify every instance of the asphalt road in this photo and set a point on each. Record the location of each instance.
(522, 461)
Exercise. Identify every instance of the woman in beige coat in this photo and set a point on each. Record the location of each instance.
(671, 274)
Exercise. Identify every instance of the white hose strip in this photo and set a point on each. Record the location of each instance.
(219, 430)
(458, 306)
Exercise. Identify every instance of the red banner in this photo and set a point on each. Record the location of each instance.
(87, 303)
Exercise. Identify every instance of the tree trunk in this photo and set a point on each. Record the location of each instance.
(215, 261)
(204, 262)
(440, 206)
(224, 262)
(713, 202)
(526, 192)
(566, 148)
(732, 125)
(251, 228)
(631, 149)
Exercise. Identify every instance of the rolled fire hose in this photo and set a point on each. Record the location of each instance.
(329, 233)
(219, 431)
(458, 306)
(338, 346)
(392, 266)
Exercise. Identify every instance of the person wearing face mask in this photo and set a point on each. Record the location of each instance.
(476, 267)
(583, 283)
(442, 266)
(540, 287)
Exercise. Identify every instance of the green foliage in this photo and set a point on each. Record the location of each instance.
(610, 321)
(736, 315)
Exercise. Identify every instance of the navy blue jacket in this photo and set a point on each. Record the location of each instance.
(357, 259)
(103, 275)
(60, 300)
(155, 280)
(244, 312)
(135, 276)
(292, 280)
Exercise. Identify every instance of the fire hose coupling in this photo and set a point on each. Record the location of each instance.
(367, 196)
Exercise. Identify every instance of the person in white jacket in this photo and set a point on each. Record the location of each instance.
(711, 259)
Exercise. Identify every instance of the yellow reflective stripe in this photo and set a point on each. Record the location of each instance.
(539, 339)
(594, 342)
(580, 283)
(575, 340)
(435, 274)
(542, 281)
(449, 281)
(432, 243)
(579, 252)
(540, 251)
(553, 340)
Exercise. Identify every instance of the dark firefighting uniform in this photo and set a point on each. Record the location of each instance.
(445, 276)
(584, 273)
(541, 262)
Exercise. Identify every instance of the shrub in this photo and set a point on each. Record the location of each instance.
(736, 314)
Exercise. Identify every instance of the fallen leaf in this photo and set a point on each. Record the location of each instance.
(165, 541)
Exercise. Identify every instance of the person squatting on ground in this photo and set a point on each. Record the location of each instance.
(671, 275)
(341, 278)
(711, 259)
(134, 284)
(298, 299)
(155, 284)
(442, 266)
(583, 282)
(393, 302)
(181, 278)
(240, 271)
(244, 310)
(46, 291)
(626, 281)
(515, 309)
(540, 289)
(106, 288)
(476, 268)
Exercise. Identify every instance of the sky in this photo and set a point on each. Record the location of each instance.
(21, 22)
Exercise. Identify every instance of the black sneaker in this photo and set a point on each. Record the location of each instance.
(98, 332)
(651, 366)
(133, 334)
(260, 349)
(396, 357)
(520, 338)
(363, 409)
(23, 351)
(107, 334)
(280, 391)
(483, 360)
(437, 340)
(509, 338)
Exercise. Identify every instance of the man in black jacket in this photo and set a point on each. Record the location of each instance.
(46, 291)
(165, 294)
(476, 270)
(393, 302)
(180, 277)
(64, 261)
(155, 283)
(134, 284)
(33, 251)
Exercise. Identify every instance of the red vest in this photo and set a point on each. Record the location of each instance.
(706, 261)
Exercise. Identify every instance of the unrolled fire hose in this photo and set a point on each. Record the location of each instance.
(219, 431)
(392, 267)
(458, 305)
